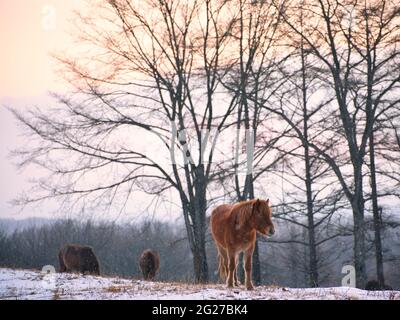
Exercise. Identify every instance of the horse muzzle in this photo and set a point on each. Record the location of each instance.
(267, 233)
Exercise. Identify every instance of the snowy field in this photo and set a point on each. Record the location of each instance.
(28, 284)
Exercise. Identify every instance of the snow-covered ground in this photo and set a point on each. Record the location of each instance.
(28, 284)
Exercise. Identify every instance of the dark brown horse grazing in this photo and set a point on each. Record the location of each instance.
(149, 264)
(234, 229)
(78, 258)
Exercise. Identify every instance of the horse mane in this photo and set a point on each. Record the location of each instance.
(243, 211)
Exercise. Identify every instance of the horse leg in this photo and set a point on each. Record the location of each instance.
(237, 282)
(248, 256)
(63, 268)
(222, 263)
(231, 269)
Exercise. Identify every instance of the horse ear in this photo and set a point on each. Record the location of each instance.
(267, 201)
(256, 205)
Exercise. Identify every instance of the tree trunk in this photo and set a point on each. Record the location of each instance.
(313, 276)
(376, 215)
(256, 266)
(313, 263)
(256, 271)
(200, 263)
(199, 227)
(359, 230)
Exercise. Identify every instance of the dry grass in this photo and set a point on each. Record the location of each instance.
(113, 289)
(56, 295)
(118, 289)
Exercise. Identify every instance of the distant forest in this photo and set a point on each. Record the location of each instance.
(32, 245)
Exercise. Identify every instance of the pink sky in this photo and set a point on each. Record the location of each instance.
(27, 36)
(27, 73)
(29, 30)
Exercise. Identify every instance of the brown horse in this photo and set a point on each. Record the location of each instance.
(149, 263)
(75, 257)
(234, 229)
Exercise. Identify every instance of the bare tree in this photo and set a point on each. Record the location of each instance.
(148, 75)
(352, 45)
(252, 71)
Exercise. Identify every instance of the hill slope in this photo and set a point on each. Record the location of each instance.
(28, 284)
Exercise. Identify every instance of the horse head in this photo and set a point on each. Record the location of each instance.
(262, 217)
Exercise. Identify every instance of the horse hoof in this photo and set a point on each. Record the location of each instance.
(250, 287)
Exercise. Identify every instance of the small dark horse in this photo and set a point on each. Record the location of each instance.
(234, 229)
(149, 264)
(78, 258)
